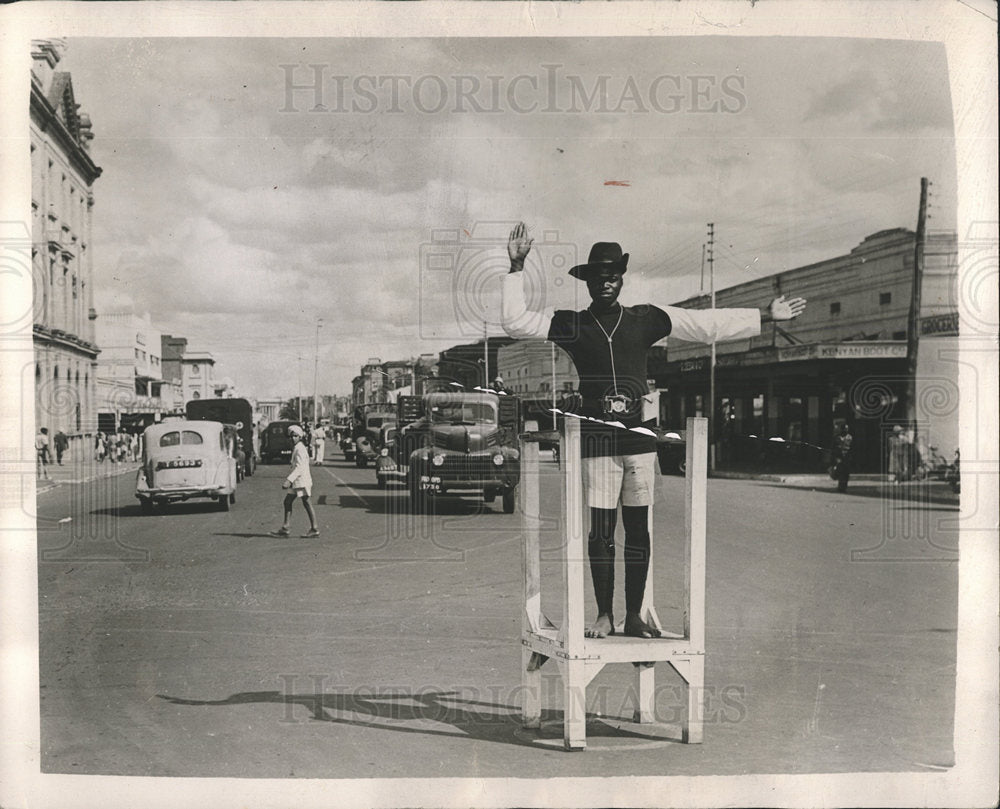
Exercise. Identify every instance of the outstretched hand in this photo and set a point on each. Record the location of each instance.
(786, 309)
(518, 246)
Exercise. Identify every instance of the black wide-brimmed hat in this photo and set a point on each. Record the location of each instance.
(603, 256)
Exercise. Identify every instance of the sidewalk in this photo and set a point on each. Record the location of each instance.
(863, 485)
(81, 470)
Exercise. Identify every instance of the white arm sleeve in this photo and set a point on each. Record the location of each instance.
(705, 325)
(515, 317)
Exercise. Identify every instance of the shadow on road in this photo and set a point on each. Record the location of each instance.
(421, 712)
(196, 507)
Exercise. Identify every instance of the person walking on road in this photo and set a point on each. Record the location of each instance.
(319, 444)
(42, 452)
(608, 343)
(61, 443)
(843, 456)
(299, 481)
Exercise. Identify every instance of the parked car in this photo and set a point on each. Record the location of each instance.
(238, 412)
(187, 459)
(276, 444)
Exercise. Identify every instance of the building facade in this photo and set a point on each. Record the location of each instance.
(198, 375)
(536, 369)
(843, 360)
(129, 371)
(62, 200)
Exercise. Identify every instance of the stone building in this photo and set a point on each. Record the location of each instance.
(62, 178)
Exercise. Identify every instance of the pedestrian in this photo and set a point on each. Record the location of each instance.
(843, 456)
(99, 448)
(299, 481)
(61, 443)
(898, 456)
(608, 343)
(42, 452)
(319, 444)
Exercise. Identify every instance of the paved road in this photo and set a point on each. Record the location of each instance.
(191, 643)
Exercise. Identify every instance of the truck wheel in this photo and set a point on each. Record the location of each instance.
(360, 461)
(232, 498)
(682, 465)
(224, 502)
(509, 501)
(380, 479)
(146, 505)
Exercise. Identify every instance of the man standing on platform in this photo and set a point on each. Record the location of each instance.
(608, 343)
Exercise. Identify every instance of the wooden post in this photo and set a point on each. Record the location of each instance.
(531, 523)
(531, 618)
(574, 668)
(695, 525)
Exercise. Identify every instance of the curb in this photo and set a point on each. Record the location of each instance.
(43, 485)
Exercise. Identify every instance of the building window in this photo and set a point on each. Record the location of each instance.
(835, 308)
(195, 369)
(884, 298)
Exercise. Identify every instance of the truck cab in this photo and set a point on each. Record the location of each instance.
(456, 443)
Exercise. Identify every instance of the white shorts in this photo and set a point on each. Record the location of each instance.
(629, 479)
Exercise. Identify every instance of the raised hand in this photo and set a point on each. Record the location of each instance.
(518, 246)
(786, 309)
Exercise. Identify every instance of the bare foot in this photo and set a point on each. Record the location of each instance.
(602, 627)
(635, 627)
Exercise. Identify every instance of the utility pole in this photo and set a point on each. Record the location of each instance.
(913, 321)
(298, 365)
(486, 356)
(702, 287)
(319, 325)
(711, 367)
(552, 346)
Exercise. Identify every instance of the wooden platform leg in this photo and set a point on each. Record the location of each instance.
(645, 693)
(692, 669)
(531, 680)
(574, 675)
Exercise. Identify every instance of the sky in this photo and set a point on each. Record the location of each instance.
(253, 186)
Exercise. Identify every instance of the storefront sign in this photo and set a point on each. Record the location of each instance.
(940, 324)
(843, 351)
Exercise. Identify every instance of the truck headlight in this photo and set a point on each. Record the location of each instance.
(437, 460)
(384, 452)
(498, 459)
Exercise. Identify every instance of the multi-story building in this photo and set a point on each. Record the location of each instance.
(267, 410)
(172, 388)
(844, 359)
(197, 372)
(472, 363)
(129, 371)
(62, 179)
(536, 369)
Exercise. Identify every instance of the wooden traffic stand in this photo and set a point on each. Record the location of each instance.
(579, 658)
